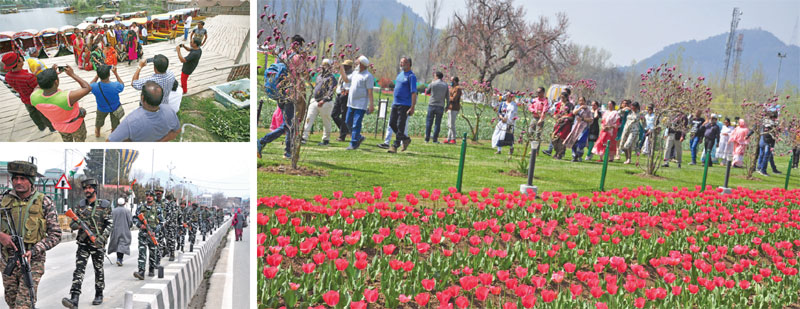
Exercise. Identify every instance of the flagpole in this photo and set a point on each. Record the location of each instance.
(104, 166)
(119, 166)
(152, 168)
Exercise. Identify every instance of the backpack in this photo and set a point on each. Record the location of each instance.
(273, 76)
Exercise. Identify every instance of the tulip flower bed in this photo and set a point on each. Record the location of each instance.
(495, 249)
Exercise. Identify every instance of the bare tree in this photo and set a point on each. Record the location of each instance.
(320, 7)
(354, 21)
(432, 11)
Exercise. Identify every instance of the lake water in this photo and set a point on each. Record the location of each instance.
(43, 18)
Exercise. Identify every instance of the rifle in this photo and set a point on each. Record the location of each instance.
(86, 229)
(18, 257)
(149, 232)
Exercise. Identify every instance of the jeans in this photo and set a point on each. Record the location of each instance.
(693, 143)
(185, 33)
(434, 118)
(286, 127)
(354, 119)
(765, 156)
(397, 121)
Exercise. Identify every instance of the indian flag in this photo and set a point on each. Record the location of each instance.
(76, 168)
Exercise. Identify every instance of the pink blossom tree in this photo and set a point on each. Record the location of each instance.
(673, 96)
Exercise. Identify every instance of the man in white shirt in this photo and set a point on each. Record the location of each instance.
(186, 26)
(359, 100)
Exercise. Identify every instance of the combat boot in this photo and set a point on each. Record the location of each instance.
(151, 273)
(172, 257)
(71, 302)
(98, 298)
(139, 275)
(191, 246)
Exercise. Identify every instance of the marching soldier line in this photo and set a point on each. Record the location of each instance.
(163, 225)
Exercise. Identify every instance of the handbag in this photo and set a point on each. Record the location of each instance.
(508, 139)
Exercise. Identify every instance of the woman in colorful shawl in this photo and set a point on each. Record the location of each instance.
(608, 132)
(738, 139)
(97, 57)
(579, 133)
(630, 135)
(563, 126)
(87, 58)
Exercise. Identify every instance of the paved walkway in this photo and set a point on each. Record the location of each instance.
(226, 33)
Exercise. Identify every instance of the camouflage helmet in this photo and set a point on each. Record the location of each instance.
(159, 189)
(23, 168)
(89, 182)
(170, 197)
(150, 193)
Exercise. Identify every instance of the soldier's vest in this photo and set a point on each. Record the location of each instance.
(194, 214)
(94, 217)
(28, 217)
(150, 213)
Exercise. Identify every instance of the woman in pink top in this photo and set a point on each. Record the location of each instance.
(608, 132)
(739, 139)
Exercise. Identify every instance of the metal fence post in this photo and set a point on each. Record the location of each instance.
(461, 162)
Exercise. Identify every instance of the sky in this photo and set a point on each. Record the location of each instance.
(636, 29)
(210, 168)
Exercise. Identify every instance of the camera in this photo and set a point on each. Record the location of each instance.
(149, 60)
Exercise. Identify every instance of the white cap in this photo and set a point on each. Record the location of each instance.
(327, 61)
(363, 60)
(121, 201)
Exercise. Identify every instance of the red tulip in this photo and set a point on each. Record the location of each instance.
(462, 302)
(341, 264)
(270, 272)
(358, 305)
(403, 299)
(549, 295)
(528, 301)
(428, 284)
(308, 268)
(510, 305)
(640, 302)
(481, 293)
(371, 296)
(331, 298)
(422, 299)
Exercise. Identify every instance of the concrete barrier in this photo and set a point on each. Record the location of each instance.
(182, 277)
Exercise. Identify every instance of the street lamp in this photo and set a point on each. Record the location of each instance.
(780, 60)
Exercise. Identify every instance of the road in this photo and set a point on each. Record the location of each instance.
(60, 264)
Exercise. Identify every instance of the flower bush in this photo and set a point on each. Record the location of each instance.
(623, 248)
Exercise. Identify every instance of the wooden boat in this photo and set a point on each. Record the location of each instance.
(91, 19)
(49, 37)
(68, 10)
(6, 42)
(26, 38)
(9, 11)
(107, 18)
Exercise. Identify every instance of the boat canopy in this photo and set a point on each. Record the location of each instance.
(25, 34)
(48, 32)
(90, 19)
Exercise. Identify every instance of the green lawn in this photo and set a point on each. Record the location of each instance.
(216, 123)
(432, 166)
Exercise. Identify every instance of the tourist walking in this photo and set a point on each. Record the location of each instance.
(739, 139)
(594, 129)
(405, 100)
(439, 96)
(608, 132)
(563, 126)
(630, 135)
(538, 108)
(725, 148)
(189, 62)
(504, 130)
(359, 100)
(321, 103)
(579, 133)
(339, 112)
(453, 107)
(697, 135)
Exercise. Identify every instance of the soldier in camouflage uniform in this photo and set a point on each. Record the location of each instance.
(193, 222)
(183, 225)
(154, 218)
(96, 214)
(162, 244)
(172, 216)
(28, 208)
(205, 221)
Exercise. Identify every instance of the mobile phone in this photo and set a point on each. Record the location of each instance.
(61, 69)
(149, 60)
